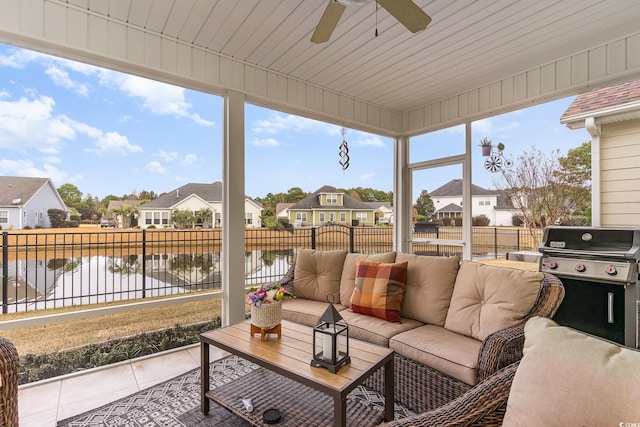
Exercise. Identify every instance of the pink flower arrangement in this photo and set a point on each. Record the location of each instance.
(267, 294)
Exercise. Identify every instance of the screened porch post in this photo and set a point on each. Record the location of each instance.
(401, 195)
(233, 195)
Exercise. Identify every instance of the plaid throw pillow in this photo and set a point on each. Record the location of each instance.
(379, 289)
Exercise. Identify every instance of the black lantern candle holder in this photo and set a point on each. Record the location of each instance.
(331, 341)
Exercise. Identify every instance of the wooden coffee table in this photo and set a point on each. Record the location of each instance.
(290, 356)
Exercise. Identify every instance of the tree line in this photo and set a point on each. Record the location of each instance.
(545, 189)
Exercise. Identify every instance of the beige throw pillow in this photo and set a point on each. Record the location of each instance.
(567, 378)
(430, 281)
(488, 298)
(317, 274)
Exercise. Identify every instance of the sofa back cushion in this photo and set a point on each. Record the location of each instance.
(317, 274)
(379, 289)
(430, 281)
(348, 279)
(488, 298)
(567, 378)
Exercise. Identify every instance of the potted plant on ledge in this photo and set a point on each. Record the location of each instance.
(486, 147)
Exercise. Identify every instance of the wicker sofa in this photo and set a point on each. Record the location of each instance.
(459, 324)
(565, 378)
(9, 371)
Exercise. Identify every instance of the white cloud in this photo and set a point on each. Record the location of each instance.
(167, 156)
(265, 142)
(26, 167)
(160, 98)
(114, 143)
(367, 178)
(189, 159)
(483, 127)
(278, 123)
(29, 124)
(61, 78)
(370, 141)
(155, 167)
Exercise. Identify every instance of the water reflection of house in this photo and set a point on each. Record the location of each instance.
(194, 197)
(25, 202)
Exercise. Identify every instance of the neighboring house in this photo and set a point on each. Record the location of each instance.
(24, 202)
(282, 210)
(117, 204)
(194, 197)
(612, 118)
(493, 204)
(329, 205)
(384, 210)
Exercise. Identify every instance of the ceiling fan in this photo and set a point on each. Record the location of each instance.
(405, 11)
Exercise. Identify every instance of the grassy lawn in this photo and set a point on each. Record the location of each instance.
(75, 333)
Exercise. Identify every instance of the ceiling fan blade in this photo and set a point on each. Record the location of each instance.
(408, 13)
(328, 22)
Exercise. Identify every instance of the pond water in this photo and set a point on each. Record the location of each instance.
(60, 282)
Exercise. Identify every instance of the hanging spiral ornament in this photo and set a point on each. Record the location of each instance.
(344, 151)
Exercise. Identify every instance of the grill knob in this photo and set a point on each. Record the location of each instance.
(581, 268)
(553, 265)
(611, 270)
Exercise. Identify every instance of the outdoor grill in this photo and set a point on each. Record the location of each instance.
(599, 270)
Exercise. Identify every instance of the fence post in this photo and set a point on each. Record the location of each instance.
(5, 272)
(144, 263)
(313, 237)
(495, 242)
(351, 244)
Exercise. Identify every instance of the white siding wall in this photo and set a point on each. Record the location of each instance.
(620, 175)
(40, 203)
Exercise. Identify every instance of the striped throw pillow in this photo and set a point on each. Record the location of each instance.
(379, 289)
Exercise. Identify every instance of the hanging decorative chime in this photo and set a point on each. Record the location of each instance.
(344, 151)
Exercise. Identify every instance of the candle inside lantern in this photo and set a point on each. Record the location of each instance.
(327, 351)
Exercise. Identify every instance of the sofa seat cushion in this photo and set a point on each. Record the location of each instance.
(568, 378)
(430, 281)
(448, 352)
(305, 311)
(379, 289)
(487, 298)
(375, 330)
(317, 274)
(348, 278)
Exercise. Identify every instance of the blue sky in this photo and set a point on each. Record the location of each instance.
(111, 133)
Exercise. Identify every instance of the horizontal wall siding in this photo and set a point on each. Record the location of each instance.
(64, 30)
(616, 61)
(620, 176)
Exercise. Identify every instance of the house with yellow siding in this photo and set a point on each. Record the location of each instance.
(328, 205)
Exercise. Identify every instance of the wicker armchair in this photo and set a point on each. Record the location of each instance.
(9, 370)
(483, 405)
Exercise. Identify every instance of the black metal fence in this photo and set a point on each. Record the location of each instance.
(44, 269)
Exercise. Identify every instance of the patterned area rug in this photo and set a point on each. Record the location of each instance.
(176, 402)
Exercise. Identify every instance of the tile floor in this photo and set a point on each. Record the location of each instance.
(43, 403)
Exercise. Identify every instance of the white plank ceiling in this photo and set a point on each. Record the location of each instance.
(468, 44)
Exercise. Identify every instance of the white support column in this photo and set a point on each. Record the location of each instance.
(233, 194)
(401, 195)
(596, 195)
(467, 234)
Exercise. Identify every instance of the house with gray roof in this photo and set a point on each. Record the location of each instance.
(25, 201)
(494, 204)
(330, 205)
(194, 197)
